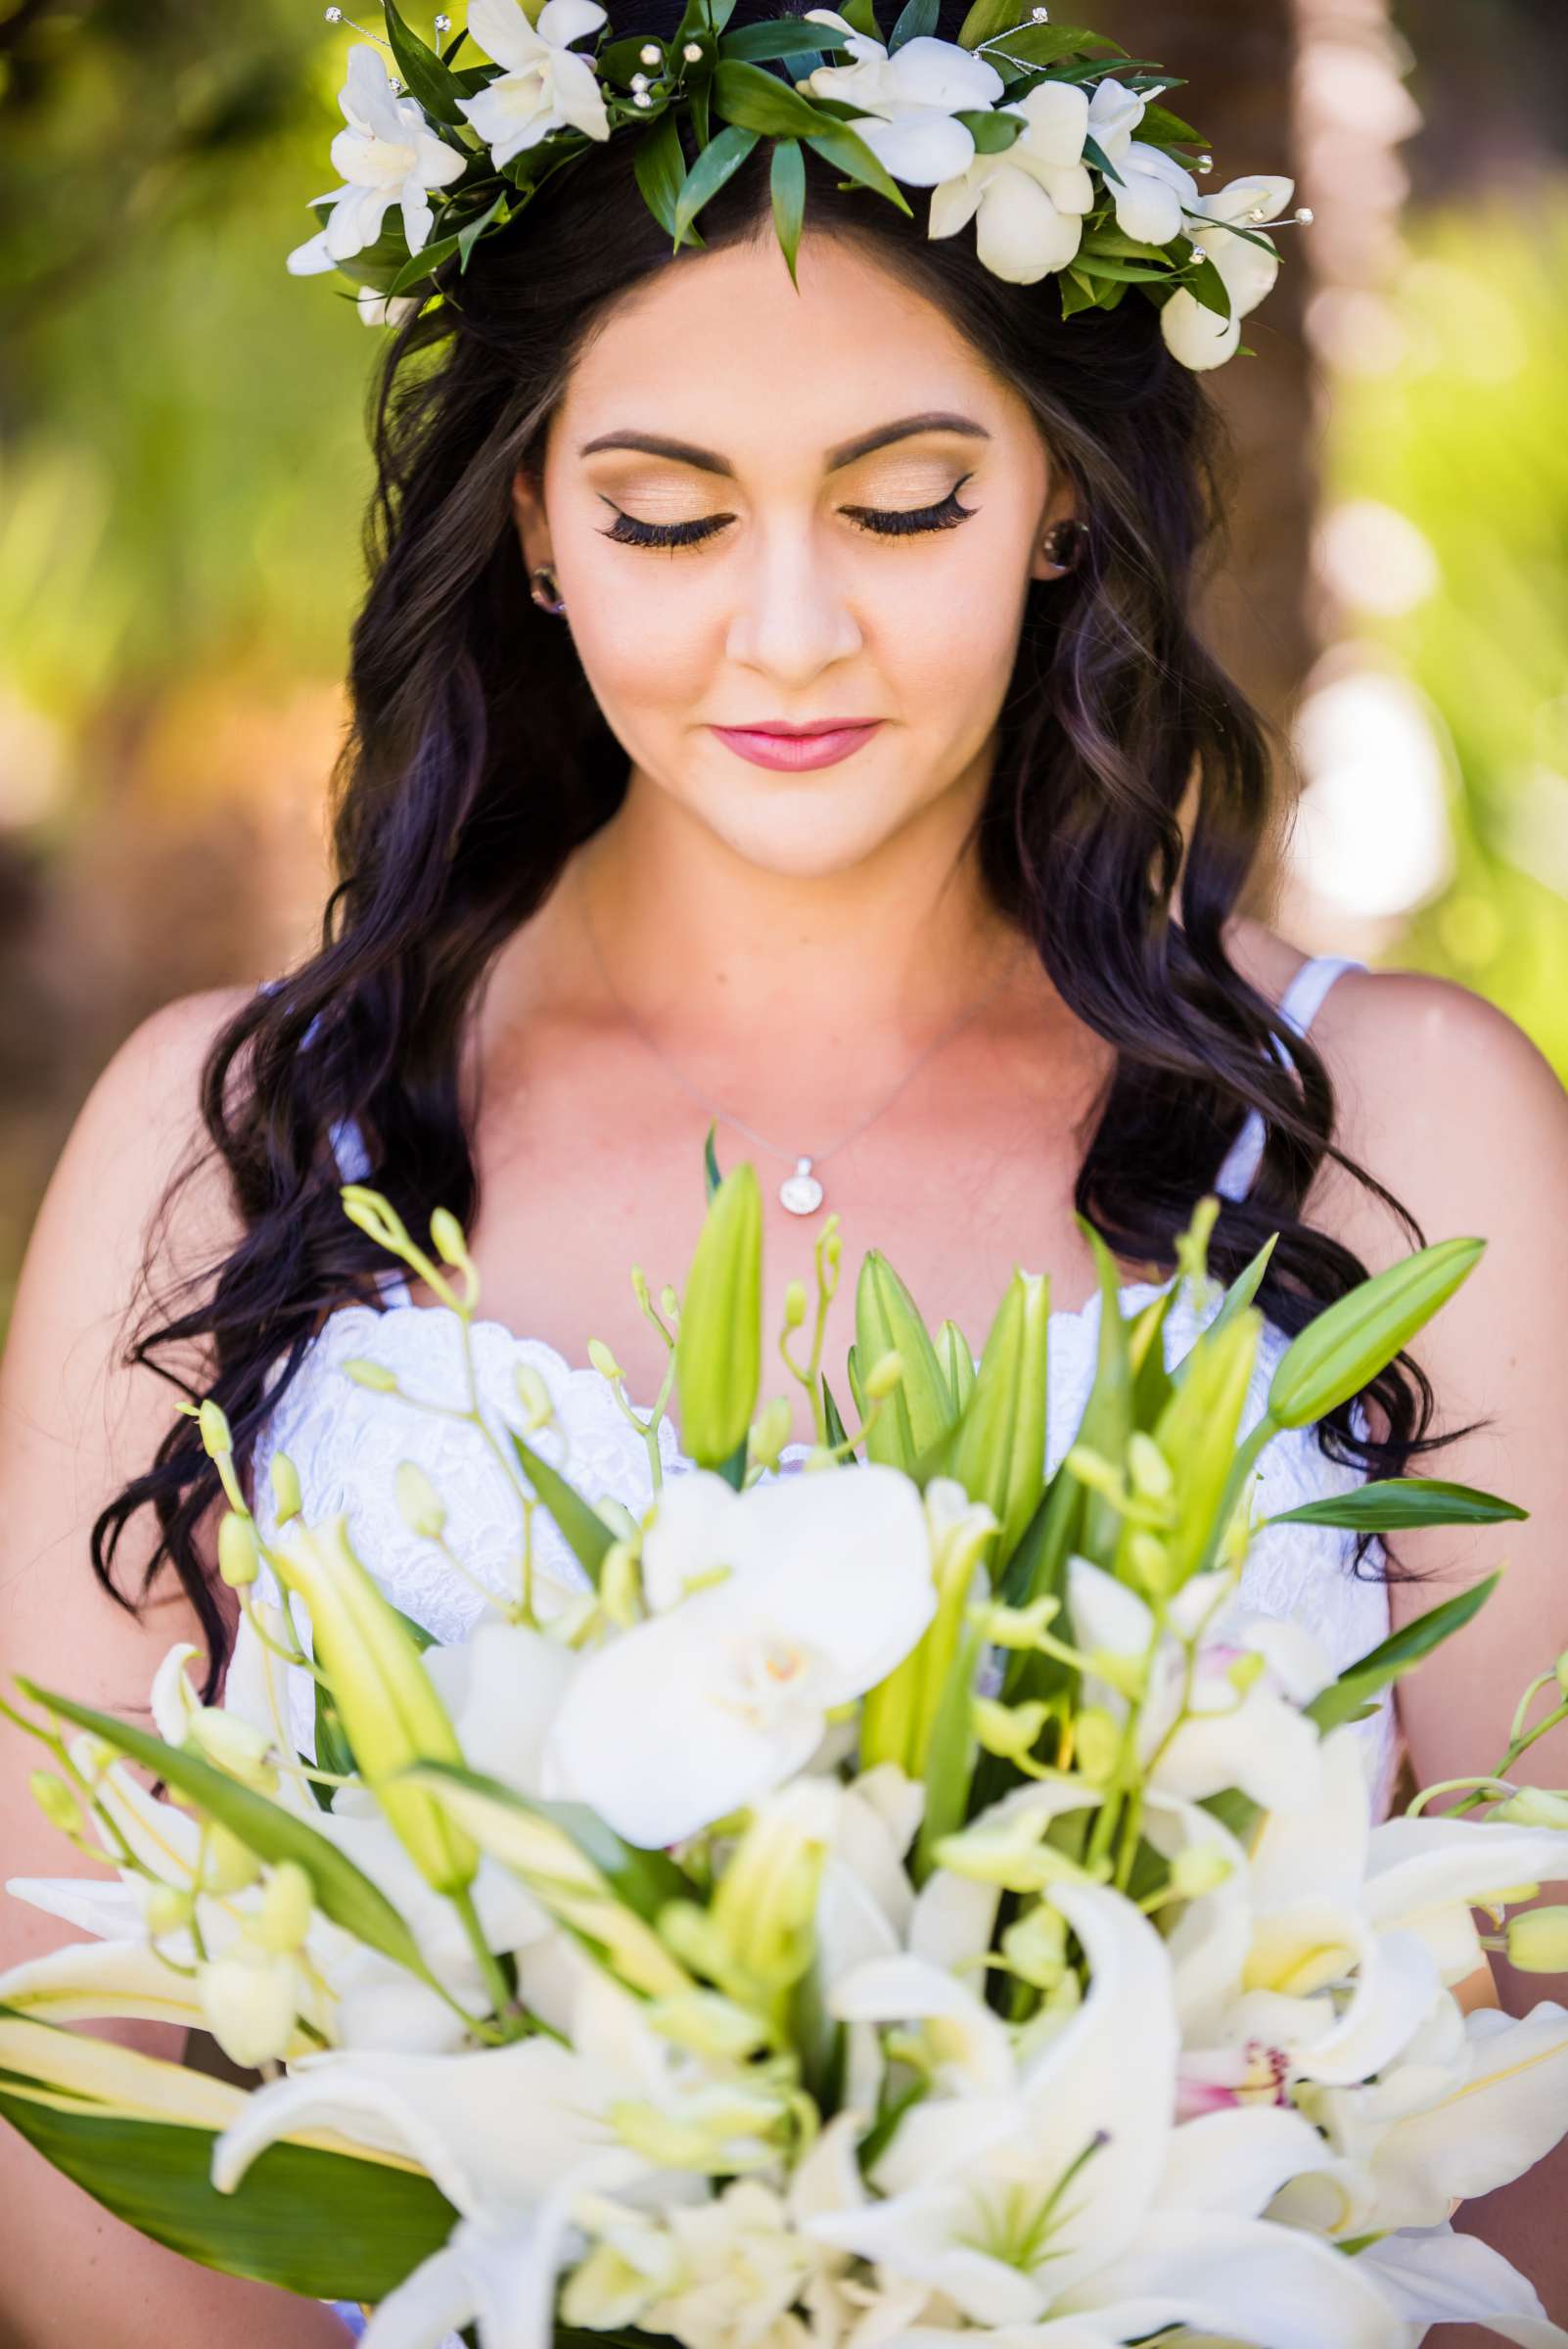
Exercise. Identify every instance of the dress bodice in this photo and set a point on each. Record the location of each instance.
(346, 1441)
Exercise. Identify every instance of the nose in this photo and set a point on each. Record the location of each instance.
(791, 617)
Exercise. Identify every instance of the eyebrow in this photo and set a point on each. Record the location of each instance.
(706, 460)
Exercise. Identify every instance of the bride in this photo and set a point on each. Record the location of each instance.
(775, 705)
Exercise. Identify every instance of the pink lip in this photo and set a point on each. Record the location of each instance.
(813, 745)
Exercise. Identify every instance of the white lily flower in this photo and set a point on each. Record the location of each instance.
(1067, 2210)
(910, 99)
(1245, 1727)
(1435, 2277)
(717, 1700)
(1029, 199)
(1151, 189)
(1247, 264)
(1470, 2103)
(546, 87)
(388, 154)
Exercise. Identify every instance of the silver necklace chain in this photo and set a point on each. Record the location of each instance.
(802, 1192)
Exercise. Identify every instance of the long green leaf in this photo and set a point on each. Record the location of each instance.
(659, 168)
(342, 1891)
(757, 100)
(644, 1881)
(1336, 1354)
(722, 156)
(848, 151)
(987, 18)
(916, 19)
(787, 192)
(324, 2224)
(581, 1527)
(1344, 1698)
(951, 1753)
(779, 36)
(1403, 1502)
(427, 77)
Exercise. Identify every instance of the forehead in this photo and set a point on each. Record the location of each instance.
(718, 349)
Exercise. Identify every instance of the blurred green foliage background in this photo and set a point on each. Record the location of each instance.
(183, 473)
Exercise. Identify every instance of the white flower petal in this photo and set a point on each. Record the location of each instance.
(564, 20)
(1273, 2286)
(921, 146)
(1020, 235)
(1199, 338)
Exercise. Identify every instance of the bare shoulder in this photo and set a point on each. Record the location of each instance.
(77, 1418)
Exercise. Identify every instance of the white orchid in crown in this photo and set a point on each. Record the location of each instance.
(911, 98)
(1151, 189)
(1247, 262)
(388, 154)
(545, 87)
(1029, 200)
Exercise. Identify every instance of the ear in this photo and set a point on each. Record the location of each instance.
(528, 512)
(1062, 505)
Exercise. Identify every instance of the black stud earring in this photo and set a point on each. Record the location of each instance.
(1065, 545)
(545, 588)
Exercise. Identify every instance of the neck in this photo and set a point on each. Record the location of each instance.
(707, 951)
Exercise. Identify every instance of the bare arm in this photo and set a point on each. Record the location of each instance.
(1451, 1106)
(73, 1426)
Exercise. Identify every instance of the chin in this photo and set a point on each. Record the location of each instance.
(804, 834)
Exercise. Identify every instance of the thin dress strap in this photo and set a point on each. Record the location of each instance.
(1297, 1006)
(354, 1165)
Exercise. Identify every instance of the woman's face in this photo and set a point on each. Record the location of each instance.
(814, 576)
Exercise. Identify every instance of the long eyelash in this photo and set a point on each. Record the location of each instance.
(627, 530)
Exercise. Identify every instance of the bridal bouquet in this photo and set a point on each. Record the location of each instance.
(903, 1899)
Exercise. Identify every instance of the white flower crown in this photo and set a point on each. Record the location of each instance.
(1083, 176)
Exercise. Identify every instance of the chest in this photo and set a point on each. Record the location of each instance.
(958, 1184)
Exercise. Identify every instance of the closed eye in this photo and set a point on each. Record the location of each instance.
(627, 530)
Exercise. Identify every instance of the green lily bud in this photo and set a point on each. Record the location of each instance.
(771, 1432)
(1196, 1435)
(535, 1397)
(709, 2024)
(448, 1239)
(239, 1554)
(1533, 1807)
(886, 1373)
(1198, 1869)
(390, 1712)
(228, 1864)
(795, 1305)
(1560, 1667)
(958, 1364)
(1010, 1731)
(887, 1320)
(766, 1903)
(286, 1499)
(603, 1361)
(1335, 1356)
(998, 1453)
(1538, 1941)
(668, 1302)
(719, 1348)
(1034, 1946)
(233, 1745)
(286, 1907)
(215, 1426)
(1147, 1467)
(56, 1801)
(419, 1504)
(169, 1909)
(1096, 1741)
(374, 1375)
(621, 1584)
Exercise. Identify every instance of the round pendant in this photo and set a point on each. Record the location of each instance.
(800, 1191)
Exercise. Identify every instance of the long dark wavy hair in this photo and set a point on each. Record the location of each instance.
(477, 761)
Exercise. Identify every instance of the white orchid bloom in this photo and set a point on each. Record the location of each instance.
(1028, 200)
(1064, 2207)
(910, 99)
(1249, 264)
(718, 1699)
(1151, 189)
(388, 154)
(1245, 1727)
(545, 86)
